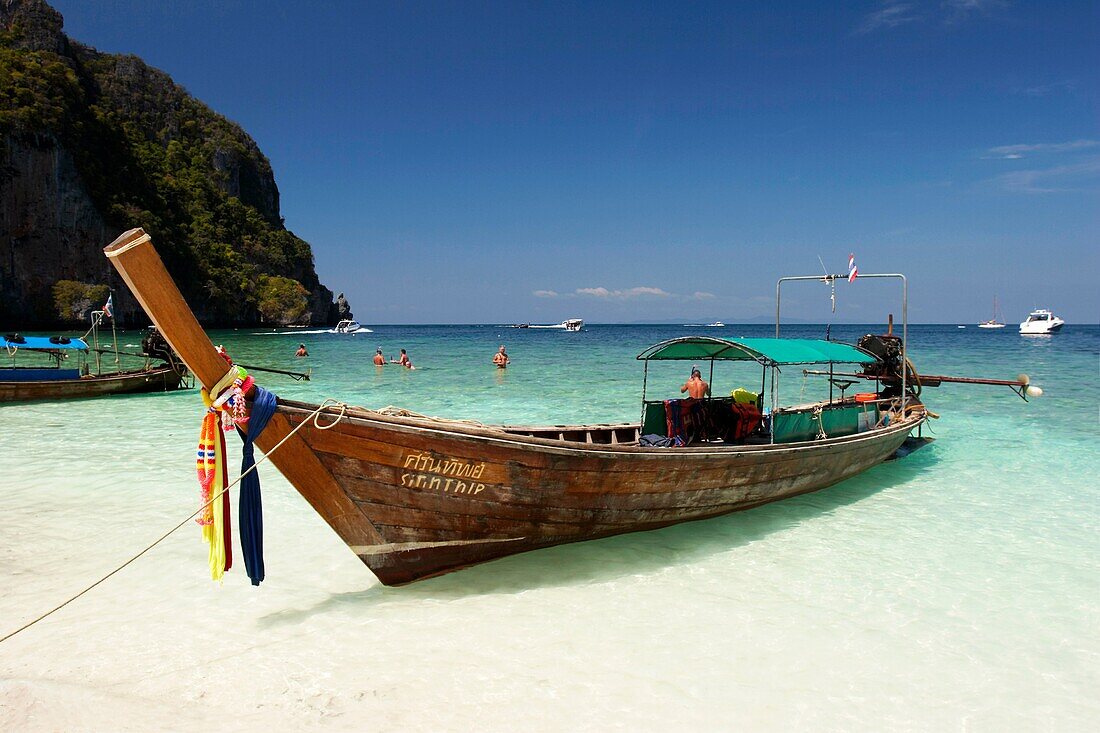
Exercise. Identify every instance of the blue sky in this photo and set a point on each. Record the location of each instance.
(506, 162)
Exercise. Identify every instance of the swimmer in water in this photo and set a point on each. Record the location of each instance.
(501, 358)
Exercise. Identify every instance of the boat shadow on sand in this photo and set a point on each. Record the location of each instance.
(603, 560)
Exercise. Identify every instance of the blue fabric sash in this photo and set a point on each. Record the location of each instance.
(250, 507)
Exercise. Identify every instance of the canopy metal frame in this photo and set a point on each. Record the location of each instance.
(710, 380)
(829, 280)
(734, 350)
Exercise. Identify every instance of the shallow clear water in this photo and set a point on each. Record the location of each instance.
(957, 588)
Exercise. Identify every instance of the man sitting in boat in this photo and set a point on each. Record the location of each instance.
(501, 358)
(696, 387)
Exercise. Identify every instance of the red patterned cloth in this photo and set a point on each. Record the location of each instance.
(684, 419)
(746, 420)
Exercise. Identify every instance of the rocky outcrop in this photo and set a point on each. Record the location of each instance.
(33, 26)
(50, 229)
(92, 144)
(343, 308)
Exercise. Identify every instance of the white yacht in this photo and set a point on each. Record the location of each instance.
(347, 326)
(716, 324)
(993, 322)
(1041, 320)
(572, 324)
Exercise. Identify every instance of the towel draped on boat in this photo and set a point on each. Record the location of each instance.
(683, 419)
(746, 420)
(691, 420)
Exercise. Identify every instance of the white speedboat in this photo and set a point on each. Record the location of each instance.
(1041, 320)
(347, 326)
(716, 324)
(572, 324)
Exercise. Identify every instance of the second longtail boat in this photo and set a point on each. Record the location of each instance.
(40, 369)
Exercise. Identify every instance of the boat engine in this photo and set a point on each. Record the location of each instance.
(887, 348)
(156, 346)
(888, 368)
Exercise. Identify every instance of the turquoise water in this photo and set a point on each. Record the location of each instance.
(957, 588)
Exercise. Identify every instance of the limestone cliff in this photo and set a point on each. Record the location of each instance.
(92, 144)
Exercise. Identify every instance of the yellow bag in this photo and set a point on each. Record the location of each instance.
(744, 397)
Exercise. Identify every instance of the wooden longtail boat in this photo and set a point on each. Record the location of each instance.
(415, 497)
(20, 384)
(155, 379)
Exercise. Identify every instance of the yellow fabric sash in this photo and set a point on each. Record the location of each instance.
(213, 534)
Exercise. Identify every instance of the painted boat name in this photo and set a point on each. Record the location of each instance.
(450, 475)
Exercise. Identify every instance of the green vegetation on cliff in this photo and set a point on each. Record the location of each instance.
(282, 300)
(150, 155)
(74, 300)
(36, 89)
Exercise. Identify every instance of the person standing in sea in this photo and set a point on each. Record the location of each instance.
(501, 358)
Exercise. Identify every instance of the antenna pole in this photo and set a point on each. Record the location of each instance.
(114, 332)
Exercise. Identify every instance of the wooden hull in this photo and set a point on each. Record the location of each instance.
(160, 379)
(429, 497)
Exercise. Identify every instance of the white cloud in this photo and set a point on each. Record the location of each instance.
(1015, 152)
(890, 15)
(1067, 86)
(1084, 176)
(633, 292)
(959, 10)
(641, 291)
(893, 13)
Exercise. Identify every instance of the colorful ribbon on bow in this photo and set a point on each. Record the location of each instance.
(227, 400)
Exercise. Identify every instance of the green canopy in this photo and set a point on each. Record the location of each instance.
(763, 350)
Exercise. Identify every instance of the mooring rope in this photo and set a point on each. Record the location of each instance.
(817, 413)
(393, 411)
(311, 417)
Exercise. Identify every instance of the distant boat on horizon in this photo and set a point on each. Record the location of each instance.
(993, 322)
(569, 324)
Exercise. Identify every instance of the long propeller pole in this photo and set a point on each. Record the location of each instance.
(1021, 385)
